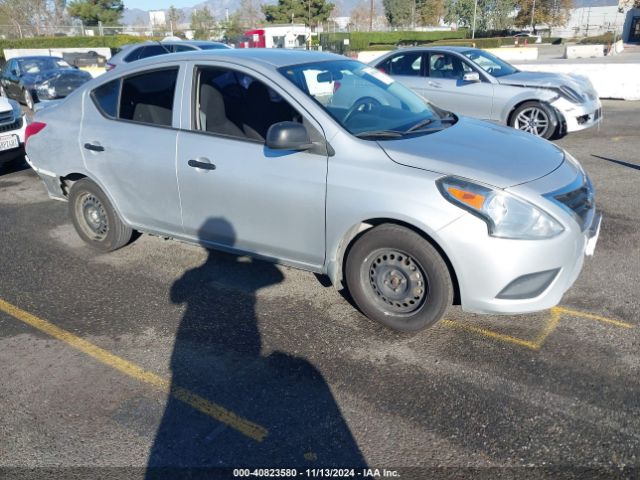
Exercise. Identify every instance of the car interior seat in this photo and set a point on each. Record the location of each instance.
(213, 116)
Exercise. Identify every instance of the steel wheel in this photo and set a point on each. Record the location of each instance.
(92, 215)
(396, 277)
(397, 281)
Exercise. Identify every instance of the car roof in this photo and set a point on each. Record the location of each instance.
(449, 48)
(35, 57)
(269, 57)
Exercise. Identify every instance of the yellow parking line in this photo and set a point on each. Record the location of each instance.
(491, 334)
(221, 414)
(551, 325)
(576, 313)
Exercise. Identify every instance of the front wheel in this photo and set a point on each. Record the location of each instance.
(95, 219)
(28, 99)
(536, 118)
(398, 278)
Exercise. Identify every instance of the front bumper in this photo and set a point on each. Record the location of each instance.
(18, 152)
(503, 276)
(579, 117)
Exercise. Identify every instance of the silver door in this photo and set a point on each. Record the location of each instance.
(133, 158)
(445, 87)
(237, 193)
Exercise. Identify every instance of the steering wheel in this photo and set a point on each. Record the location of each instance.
(364, 104)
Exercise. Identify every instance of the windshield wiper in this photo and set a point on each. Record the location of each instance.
(420, 124)
(448, 118)
(379, 134)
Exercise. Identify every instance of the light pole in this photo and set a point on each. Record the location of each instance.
(475, 11)
(533, 11)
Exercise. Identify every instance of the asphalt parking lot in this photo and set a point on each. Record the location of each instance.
(166, 355)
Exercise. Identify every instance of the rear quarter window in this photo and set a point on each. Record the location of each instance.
(105, 97)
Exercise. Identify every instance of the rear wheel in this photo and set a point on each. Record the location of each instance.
(398, 278)
(535, 118)
(95, 219)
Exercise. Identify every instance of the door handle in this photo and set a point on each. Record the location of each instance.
(202, 165)
(94, 148)
(434, 84)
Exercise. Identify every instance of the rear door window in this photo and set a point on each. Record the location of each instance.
(148, 97)
(408, 64)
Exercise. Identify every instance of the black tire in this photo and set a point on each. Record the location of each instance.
(529, 117)
(28, 99)
(410, 259)
(95, 219)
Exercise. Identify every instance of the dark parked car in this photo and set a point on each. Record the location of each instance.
(32, 79)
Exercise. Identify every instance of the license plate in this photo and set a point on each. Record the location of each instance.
(590, 247)
(7, 142)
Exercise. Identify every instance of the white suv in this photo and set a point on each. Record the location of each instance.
(13, 124)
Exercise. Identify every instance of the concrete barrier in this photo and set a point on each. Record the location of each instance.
(10, 53)
(611, 80)
(515, 53)
(583, 51)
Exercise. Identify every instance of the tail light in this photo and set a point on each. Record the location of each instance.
(336, 86)
(32, 129)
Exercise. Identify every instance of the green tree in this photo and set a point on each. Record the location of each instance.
(202, 22)
(91, 12)
(174, 17)
(430, 12)
(549, 12)
(233, 29)
(399, 13)
(310, 12)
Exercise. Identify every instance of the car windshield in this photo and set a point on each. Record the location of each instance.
(37, 65)
(210, 46)
(365, 101)
(490, 63)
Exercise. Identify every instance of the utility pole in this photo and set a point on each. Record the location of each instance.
(475, 12)
(371, 16)
(533, 12)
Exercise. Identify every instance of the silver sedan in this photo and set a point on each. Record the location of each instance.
(473, 82)
(410, 207)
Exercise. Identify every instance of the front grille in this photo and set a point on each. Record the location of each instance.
(7, 127)
(6, 116)
(579, 201)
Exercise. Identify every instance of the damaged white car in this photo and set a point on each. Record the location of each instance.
(473, 82)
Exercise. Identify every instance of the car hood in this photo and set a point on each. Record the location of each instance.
(478, 150)
(5, 105)
(549, 80)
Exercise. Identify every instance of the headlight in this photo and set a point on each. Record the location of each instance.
(570, 94)
(46, 91)
(506, 215)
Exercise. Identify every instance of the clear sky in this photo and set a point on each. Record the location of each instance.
(159, 4)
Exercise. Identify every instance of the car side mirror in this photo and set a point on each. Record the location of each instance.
(471, 77)
(14, 71)
(288, 136)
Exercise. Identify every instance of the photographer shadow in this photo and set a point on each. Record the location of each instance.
(217, 356)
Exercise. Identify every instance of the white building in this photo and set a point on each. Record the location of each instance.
(157, 18)
(589, 18)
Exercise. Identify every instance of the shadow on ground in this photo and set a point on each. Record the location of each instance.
(217, 356)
